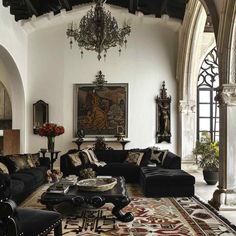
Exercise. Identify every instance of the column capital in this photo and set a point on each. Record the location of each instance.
(226, 95)
(187, 106)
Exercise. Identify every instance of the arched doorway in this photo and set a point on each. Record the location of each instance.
(225, 194)
(11, 79)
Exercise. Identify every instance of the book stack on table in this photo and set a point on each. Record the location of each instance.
(63, 185)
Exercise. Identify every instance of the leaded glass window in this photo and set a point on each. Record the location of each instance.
(207, 109)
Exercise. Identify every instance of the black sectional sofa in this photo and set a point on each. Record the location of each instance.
(165, 179)
(23, 182)
(115, 164)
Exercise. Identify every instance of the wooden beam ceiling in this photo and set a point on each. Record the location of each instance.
(24, 9)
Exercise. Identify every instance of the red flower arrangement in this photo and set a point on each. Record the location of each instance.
(51, 130)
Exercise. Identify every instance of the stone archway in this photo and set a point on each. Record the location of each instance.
(11, 79)
(187, 74)
(224, 197)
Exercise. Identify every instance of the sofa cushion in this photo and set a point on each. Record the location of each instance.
(128, 170)
(134, 158)
(171, 161)
(17, 188)
(161, 176)
(111, 156)
(39, 173)
(29, 180)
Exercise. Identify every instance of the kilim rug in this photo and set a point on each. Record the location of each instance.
(160, 216)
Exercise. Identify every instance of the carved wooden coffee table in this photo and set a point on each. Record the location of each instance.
(117, 196)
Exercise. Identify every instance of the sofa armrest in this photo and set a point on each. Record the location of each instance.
(172, 161)
(66, 165)
(7, 208)
(4, 186)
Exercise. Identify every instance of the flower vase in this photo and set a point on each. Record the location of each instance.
(51, 143)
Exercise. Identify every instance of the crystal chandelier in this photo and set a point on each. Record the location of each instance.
(98, 31)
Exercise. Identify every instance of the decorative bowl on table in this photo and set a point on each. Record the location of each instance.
(96, 184)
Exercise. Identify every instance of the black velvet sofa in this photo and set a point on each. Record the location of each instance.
(166, 179)
(115, 164)
(24, 181)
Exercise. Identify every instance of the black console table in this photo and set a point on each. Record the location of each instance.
(123, 143)
(79, 142)
(52, 155)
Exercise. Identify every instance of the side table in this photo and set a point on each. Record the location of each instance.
(52, 155)
(78, 142)
(123, 143)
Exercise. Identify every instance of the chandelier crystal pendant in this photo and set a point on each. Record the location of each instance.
(98, 31)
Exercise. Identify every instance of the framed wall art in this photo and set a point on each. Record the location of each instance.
(101, 110)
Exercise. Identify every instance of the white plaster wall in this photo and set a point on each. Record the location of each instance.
(13, 64)
(149, 59)
(14, 39)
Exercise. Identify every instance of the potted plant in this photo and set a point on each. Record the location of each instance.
(209, 160)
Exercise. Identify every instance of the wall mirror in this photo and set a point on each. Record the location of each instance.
(40, 115)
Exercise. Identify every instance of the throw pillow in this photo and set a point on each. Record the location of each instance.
(3, 168)
(156, 156)
(20, 161)
(146, 155)
(84, 158)
(30, 162)
(34, 158)
(75, 159)
(165, 152)
(92, 157)
(134, 157)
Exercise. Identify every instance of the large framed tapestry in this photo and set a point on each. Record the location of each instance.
(101, 111)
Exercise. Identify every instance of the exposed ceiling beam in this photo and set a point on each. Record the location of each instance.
(23, 8)
(65, 4)
(133, 4)
(32, 6)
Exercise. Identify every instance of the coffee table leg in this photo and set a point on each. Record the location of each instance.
(118, 205)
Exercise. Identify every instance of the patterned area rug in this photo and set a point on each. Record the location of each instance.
(162, 216)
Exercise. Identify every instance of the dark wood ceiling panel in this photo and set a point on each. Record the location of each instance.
(24, 9)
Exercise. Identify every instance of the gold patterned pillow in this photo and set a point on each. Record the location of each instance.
(3, 169)
(33, 159)
(134, 157)
(30, 161)
(75, 159)
(20, 161)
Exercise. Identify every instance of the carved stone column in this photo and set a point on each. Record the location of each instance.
(187, 131)
(224, 198)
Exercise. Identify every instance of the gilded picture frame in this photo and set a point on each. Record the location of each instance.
(101, 111)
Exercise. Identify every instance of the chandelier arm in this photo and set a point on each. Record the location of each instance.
(98, 31)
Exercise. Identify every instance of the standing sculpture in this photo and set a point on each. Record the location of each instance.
(163, 104)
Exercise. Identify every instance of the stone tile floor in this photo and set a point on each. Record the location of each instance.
(205, 193)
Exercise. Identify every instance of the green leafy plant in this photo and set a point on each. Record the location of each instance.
(209, 155)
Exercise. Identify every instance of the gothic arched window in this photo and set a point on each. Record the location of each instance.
(207, 110)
